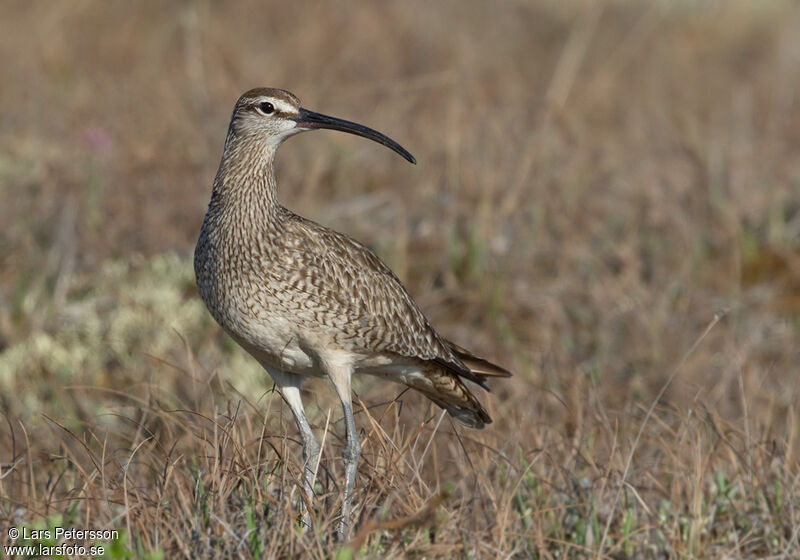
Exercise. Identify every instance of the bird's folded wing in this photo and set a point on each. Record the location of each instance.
(349, 283)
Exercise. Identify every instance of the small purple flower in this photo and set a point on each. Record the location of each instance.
(97, 140)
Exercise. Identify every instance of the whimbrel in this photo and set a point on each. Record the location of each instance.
(304, 300)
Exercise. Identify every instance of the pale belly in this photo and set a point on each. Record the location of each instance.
(276, 343)
(274, 329)
(259, 324)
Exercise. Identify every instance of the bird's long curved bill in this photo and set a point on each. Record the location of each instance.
(310, 119)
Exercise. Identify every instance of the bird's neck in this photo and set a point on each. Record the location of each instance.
(245, 183)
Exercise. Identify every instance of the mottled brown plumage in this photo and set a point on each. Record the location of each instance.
(307, 301)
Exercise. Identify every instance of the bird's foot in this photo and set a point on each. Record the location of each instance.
(350, 454)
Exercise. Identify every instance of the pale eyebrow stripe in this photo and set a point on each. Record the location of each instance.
(281, 105)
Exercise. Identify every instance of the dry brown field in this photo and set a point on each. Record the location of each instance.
(607, 202)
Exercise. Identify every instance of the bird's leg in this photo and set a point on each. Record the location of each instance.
(311, 450)
(290, 390)
(351, 450)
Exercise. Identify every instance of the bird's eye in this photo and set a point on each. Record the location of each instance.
(266, 107)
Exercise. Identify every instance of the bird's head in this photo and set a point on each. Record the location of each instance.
(273, 115)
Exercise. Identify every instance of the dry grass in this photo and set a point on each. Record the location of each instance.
(607, 203)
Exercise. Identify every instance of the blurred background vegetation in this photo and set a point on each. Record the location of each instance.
(607, 202)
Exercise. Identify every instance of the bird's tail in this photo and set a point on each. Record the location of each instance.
(448, 391)
(478, 366)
